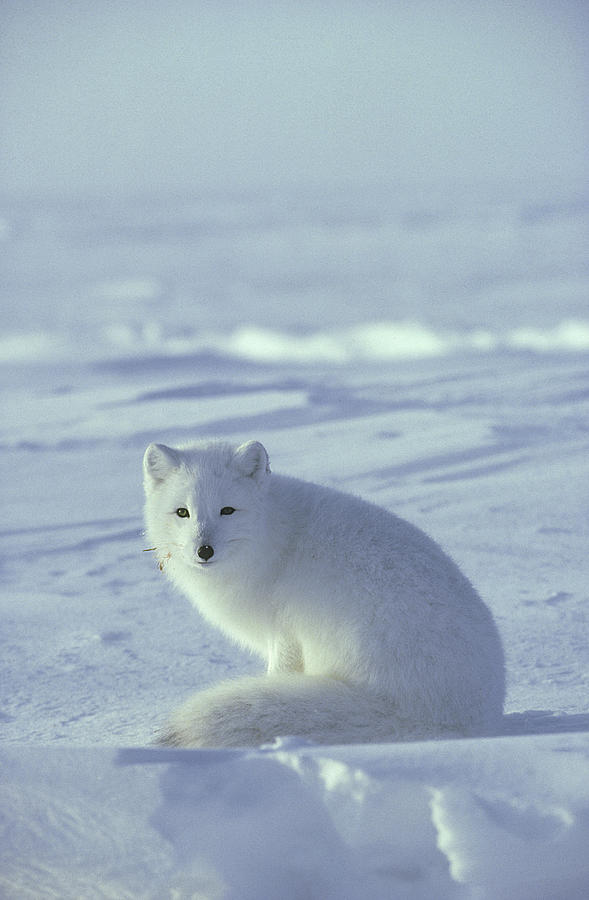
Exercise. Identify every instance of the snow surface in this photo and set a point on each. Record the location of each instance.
(427, 351)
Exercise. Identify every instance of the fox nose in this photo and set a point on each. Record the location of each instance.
(205, 552)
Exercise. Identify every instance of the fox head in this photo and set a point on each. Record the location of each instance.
(204, 503)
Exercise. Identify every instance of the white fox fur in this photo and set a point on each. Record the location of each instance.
(369, 630)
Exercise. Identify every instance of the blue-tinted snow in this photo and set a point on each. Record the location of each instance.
(358, 232)
(429, 356)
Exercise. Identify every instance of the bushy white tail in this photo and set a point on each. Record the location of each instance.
(256, 710)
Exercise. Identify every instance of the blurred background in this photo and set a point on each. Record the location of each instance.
(145, 95)
(172, 170)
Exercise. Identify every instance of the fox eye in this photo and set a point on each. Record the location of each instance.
(227, 511)
(183, 512)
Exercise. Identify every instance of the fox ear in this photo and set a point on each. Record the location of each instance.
(251, 460)
(158, 462)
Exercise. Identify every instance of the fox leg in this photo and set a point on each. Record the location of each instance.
(285, 655)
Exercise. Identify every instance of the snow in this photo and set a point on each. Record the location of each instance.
(427, 351)
(502, 817)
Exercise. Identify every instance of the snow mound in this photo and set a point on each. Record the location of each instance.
(372, 342)
(501, 818)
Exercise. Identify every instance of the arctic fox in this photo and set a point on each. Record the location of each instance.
(369, 631)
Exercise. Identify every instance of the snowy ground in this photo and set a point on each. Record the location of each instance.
(429, 353)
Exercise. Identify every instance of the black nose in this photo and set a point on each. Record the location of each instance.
(205, 552)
